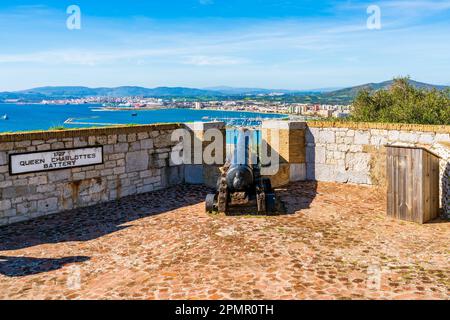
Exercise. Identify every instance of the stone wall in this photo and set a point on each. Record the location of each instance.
(287, 140)
(201, 173)
(347, 152)
(355, 152)
(442, 149)
(136, 160)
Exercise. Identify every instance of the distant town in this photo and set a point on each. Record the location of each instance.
(297, 104)
(248, 105)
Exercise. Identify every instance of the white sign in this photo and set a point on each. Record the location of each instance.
(53, 160)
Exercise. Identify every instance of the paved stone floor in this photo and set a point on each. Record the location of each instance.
(336, 243)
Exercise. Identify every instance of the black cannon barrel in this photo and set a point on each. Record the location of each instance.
(241, 183)
(241, 153)
(240, 178)
(240, 173)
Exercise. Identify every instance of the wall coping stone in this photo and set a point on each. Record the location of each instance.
(444, 144)
(203, 126)
(380, 126)
(85, 132)
(283, 124)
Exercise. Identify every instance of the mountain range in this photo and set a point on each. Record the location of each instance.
(319, 95)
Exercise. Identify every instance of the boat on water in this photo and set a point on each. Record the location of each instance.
(4, 117)
(134, 114)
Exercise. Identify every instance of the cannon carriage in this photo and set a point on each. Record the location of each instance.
(241, 186)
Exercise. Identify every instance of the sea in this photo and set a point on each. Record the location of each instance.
(29, 117)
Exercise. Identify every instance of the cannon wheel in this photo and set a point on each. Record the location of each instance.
(267, 185)
(270, 202)
(261, 202)
(210, 203)
(269, 195)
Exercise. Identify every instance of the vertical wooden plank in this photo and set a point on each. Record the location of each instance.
(409, 186)
(418, 182)
(437, 184)
(420, 161)
(419, 169)
(430, 186)
(414, 182)
(421, 187)
(403, 206)
(396, 184)
(403, 183)
(434, 187)
(410, 183)
(389, 173)
(426, 187)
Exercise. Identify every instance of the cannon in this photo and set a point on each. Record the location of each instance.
(241, 185)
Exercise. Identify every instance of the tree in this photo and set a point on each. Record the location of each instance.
(403, 103)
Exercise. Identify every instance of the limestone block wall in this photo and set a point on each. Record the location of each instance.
(442, 149)
(287, 140)
(355, 152)
(202, 173)
(136, 160)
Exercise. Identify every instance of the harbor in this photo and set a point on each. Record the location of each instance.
(45, 117)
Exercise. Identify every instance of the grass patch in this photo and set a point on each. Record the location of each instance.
(57, 128)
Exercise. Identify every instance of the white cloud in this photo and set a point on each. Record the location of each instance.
(402, 7)
(94, 58)
(289, 53)
(213, 61)
(85, 57)
(435, 5)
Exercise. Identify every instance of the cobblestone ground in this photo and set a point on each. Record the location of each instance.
(336, 243)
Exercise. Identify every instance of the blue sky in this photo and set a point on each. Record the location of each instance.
(201, 43)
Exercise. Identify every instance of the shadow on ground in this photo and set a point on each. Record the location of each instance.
(24, 266)
(305, 192)
(89, 223)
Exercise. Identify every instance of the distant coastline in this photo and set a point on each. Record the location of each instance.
(102, 108)
(46, 116)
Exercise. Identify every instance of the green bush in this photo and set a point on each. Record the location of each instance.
(57, 128)
(403, 103)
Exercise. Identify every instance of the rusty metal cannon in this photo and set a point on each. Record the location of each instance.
(241, 186)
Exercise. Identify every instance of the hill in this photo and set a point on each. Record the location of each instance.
(342, 96)
(350, 93)
(80, 92)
